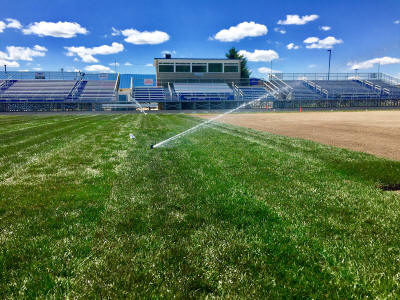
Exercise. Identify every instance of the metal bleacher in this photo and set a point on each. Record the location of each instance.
(203, 91)
(97, 90)
(394, 91)
(300, 91)
(148, 94)
(346, 89)
(36, 90)
(252, 92)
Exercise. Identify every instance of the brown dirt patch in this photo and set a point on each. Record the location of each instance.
(374, 132)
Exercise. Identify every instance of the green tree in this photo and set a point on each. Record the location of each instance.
(244, 70)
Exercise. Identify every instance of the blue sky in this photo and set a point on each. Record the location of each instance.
(79, 35)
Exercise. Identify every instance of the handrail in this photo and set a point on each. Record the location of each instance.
(317, 87)
(170, 90)
(281, 81)
(237, 90)
(116, 83)
(71, 91)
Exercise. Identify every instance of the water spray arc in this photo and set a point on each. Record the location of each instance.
(137, 103)
(162, 143)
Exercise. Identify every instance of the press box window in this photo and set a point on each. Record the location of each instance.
(231, 68)
(215, 68)
(197, 68)
(166, 68)
(183, 68)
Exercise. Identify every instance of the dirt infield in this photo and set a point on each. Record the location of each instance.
(374, 132)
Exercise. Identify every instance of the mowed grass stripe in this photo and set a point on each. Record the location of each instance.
(65, 208)
(17, 155)
(31, 121)
(230, 214)
(65, 138)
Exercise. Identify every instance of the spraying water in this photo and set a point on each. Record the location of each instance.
(203, 124)
(141, 107)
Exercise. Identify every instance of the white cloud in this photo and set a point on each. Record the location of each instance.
(2, 26)
(280, 30)
(8, 63)
(326, 43)
(266, 70)
(297, 20)
(325, 28)
(397, 22)
(148, 65)
(115, 32)
(37, 69)
(59, 29)
(311, 40)
(292, 46)
(23, 53)
(240, 31)
(312, 66)
(86, 54)
(40, 48)
(98, 68)
(128, 64)
(114, 64)
(367, 64)
(136, 37)
(259, 55)
(12, 23)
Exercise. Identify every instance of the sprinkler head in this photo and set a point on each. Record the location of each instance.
(151, 146)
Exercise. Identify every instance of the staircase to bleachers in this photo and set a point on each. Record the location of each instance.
(5, 84)
(77, 90)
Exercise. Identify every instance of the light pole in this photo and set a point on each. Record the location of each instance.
(329, 65)
(5, 68)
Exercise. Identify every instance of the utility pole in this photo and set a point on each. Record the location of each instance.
(329, 65)
(270, 76)
(5, 68)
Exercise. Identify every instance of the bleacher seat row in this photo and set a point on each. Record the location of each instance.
(57, 90)
(340, 89)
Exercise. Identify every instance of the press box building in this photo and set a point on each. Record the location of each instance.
(196, 69)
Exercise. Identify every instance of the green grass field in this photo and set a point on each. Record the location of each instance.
(224, 212)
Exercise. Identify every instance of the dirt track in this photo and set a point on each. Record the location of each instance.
(375, 132)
